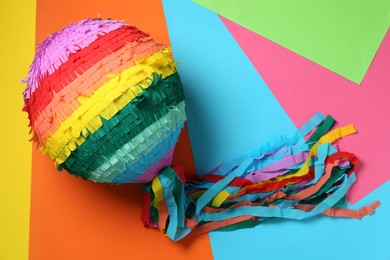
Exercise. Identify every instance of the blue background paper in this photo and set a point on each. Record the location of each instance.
(230, 109)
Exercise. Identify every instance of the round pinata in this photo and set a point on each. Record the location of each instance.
(106, 103)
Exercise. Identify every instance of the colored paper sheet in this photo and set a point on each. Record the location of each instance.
(342, 36)
(229, 107)
(75, 219)
(303, 88)
(17, 23)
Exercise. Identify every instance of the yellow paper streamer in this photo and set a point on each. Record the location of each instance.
(158, 193)
(220, 198)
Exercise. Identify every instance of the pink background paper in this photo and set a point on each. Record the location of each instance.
(303, 87)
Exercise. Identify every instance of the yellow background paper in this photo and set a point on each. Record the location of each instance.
(17, 51)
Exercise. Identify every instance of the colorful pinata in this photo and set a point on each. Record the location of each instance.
(105, 102)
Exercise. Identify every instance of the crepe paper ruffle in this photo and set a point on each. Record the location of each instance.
(131, 153)
(156, 168)
(143, 121)
(56, 49)
(105, 101)
(131, 172)
(116, 168)
(67, 87)
(78, 63)
(91, 65)
(142, 76)
(310, 177)
(44, 130)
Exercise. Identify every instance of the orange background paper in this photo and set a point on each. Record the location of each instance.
(74, 219)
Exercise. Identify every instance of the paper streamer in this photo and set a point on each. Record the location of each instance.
(310, 177)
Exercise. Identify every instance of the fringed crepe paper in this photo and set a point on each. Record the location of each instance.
(106, 103)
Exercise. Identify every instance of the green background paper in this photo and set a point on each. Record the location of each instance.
(341, 35)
